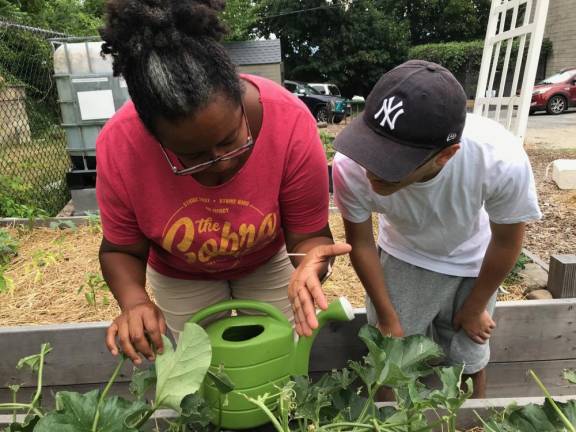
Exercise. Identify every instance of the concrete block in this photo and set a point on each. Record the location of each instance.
(564, 173)
(84, 201)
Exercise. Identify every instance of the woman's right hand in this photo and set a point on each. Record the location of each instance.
(139, 329)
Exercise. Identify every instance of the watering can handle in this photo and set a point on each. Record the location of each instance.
(228, 305)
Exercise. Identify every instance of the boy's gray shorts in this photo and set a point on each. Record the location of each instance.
(426, 302)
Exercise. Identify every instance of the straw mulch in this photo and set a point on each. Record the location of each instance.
(53, 264)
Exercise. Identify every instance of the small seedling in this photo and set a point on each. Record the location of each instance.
(8, 247)
(94, 223)
(40, 260)
(63, 225)
(94, 284)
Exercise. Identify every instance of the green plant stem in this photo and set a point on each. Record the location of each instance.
(144, 418)
(14, 412)
(21, 406)
(345, 424)
(267, 411)
(39, 382)
(566, 422)
(105, 392)
(369, 402)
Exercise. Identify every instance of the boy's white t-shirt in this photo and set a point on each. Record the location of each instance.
(443, 224)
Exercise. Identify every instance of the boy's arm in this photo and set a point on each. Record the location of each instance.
(366, 263)
(501, 255)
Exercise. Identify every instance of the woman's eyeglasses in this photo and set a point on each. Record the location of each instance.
(226, 156)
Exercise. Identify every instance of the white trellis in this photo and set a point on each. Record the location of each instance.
(517, 25)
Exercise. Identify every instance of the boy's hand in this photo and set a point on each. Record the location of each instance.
(305, 290)
(478, 325)
(393, 329)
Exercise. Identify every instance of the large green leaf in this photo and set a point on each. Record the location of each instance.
(76, 413)
(398, 360)
(181, 372)
(533, 418)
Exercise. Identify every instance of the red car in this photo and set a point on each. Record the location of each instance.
(555, 94)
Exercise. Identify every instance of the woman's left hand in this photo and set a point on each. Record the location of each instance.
(305, 290)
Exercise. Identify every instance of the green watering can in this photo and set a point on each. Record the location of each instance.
(258, 353)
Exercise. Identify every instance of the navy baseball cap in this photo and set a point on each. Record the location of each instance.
(414, 111)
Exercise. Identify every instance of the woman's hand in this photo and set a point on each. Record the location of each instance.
(139, 329)
(305, 290)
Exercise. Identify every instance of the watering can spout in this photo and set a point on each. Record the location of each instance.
(339, 310)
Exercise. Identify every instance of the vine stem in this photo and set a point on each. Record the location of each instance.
(105, 393)
(566, 422)
(39, 385)
(21, 406)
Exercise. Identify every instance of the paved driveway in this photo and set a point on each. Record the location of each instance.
(552, 131)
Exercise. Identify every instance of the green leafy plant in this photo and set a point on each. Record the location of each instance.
(552, 416)
(8, 247)
(180, 373)
(514, 275)
(95, 284)
(40, 260)
(12, 199)
(8, 250)
(94, 223)
(335, 403)
(328, 144)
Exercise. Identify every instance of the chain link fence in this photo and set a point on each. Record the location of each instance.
(33, 156)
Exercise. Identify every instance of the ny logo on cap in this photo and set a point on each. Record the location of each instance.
(387, 110)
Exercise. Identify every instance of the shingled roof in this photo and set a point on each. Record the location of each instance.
(254, 52)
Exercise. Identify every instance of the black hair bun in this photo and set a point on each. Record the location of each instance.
(137, 26)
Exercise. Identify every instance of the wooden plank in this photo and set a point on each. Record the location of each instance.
(528, 331)
(44, 222)
(533, 330)
(513, 379)
(562, 276)
(79, 354)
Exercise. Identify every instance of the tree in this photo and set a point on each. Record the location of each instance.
(444, 20)
(240, 17)
(349, 43)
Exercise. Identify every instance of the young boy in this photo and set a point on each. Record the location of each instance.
(452, 192)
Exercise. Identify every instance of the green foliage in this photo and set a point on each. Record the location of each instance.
(459, 56)
(76, 413)
(8, 250)
(95, 284)
(334, 403)
(181, 372)
(8, 247)
(13, 196)
(570, 376)
(432, 21)
(240, 18)
(348, 43)
(452, 55)
(514, 275)
(328, 144)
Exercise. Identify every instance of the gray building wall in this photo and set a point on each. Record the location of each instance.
(561, 30)
(270, 71)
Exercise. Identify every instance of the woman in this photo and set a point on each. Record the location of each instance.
(205, 180)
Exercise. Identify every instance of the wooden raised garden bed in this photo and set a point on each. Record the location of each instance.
(537, 335)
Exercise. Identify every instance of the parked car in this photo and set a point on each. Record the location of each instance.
(556, 93)
(325, 108)
(326, 89)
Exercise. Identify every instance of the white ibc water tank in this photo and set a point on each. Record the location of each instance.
(83, 58)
